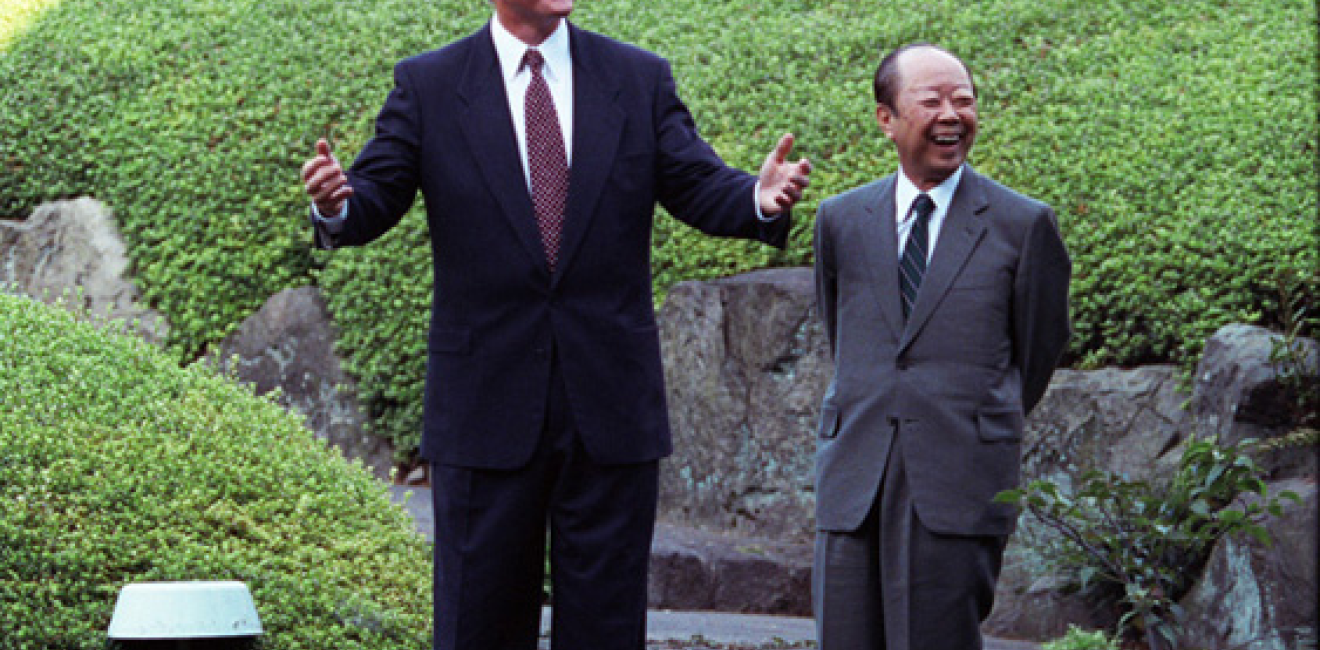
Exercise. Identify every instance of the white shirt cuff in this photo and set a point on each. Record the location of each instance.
(756, 202)
(334, 225)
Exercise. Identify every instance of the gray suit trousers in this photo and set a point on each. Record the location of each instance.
(894, 585)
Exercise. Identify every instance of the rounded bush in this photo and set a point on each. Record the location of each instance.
(118, 466)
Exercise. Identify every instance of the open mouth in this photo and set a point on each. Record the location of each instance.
(948, 139)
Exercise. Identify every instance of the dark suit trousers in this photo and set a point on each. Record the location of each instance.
(894, 585)
(491, 529)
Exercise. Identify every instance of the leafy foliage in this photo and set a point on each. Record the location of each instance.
(1078, 639)
(17, 15)
(1297, 364)
(118, 466)
(1178, 142)
(1150, 540)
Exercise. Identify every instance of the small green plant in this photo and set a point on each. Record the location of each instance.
(1148, 540)
(1077, 638)
(1297, 367)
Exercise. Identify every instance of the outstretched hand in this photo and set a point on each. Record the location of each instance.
(325, 182)
(782, 182)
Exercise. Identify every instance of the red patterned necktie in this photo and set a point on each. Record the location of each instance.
(546, 159)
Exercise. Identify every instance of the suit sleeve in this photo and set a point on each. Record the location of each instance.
(695, 185)
(384, 175)
(827, 278)
(1040, 307)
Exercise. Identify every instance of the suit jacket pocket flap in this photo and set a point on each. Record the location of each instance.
(829, 421)
(449, 340)
(999, 424)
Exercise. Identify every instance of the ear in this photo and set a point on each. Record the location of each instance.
(884, 116)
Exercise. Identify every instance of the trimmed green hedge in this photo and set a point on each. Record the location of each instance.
(118, 466)
(1177, 140)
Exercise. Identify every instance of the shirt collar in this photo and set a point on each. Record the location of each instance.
(510, 51)
(905, 192)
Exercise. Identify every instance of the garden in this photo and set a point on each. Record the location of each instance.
(1177, 142)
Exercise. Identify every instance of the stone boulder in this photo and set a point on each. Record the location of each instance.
(1122, 421)
(1242, 391)
(289, 344)
(746, 362)
(1131, 423)
(699, 570)
(1112, 419)
(70, 252)
(1258, 596)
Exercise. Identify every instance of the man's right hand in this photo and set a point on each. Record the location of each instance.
(325, 182)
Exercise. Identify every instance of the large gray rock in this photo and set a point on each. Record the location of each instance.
(1112, 419)
(289, 344)
(1122, 421)
(746, 363)
(699, 570)
(1242, 392)
(71, 252)
(1257, 596)
(1131, 423)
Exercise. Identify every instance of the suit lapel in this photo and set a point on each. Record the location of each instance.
(880, 240)
(597, 127)
(488, 127)
(961, 232)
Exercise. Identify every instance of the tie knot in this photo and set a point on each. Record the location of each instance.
(533, 59)
(923, 206)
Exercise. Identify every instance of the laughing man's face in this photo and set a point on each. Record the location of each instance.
(933, 120)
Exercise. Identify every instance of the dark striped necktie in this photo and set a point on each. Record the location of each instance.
(912, 266)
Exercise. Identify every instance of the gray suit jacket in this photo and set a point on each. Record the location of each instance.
(985, 334)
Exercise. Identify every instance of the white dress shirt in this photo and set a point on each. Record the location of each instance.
(558, 73)
(905, 192)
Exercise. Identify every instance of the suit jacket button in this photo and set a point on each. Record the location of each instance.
(903, 364)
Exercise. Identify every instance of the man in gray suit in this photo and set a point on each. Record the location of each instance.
(945, 298)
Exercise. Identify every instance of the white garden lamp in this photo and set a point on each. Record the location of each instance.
(211, 615)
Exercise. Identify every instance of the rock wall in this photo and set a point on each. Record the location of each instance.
(693, 569)
(746, 362)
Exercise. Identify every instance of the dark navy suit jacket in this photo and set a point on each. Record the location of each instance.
(497, 311)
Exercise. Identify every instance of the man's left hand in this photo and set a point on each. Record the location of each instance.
(782, 182)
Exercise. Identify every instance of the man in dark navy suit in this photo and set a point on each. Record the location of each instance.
(541, 150)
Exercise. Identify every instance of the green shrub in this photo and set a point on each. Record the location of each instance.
(1145, 542)
(118, 466)
(1178, 142)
